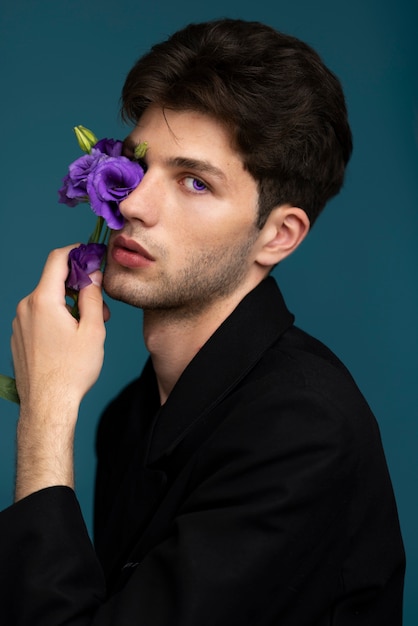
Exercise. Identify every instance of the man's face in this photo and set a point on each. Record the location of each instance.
(190, 230)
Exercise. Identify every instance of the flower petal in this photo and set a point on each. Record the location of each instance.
(111, 147)
(110, 182)
(82, 261)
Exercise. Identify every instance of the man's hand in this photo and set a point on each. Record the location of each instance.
(57, 359)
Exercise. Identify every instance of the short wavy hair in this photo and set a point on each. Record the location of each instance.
(285, 110)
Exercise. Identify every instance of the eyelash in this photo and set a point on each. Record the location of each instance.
(144, 166)
(195, 180)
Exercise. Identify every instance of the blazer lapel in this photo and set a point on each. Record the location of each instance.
(188, 416)
(228, 355)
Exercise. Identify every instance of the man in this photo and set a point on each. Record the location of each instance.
(241, 479)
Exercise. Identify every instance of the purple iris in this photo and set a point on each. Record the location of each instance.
(82, 261)
(110, 182)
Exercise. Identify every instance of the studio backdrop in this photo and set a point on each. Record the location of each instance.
(352, 283)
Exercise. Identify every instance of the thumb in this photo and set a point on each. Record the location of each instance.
(96, 278)
(90, 300)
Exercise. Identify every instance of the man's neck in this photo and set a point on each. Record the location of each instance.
(174, 338)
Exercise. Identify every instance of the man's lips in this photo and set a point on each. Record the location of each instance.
(129, 244)
(129, 253)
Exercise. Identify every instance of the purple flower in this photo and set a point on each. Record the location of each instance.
(111, 147)
(82, 261)
(63, 193)
(74, 188)
(74, 185)
(110, 182)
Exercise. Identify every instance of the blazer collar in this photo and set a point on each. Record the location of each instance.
(234, 348)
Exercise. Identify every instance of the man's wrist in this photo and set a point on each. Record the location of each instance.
(44, 453)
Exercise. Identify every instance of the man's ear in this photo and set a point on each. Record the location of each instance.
(285, 228)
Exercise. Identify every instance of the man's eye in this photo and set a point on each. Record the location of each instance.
(194, 184)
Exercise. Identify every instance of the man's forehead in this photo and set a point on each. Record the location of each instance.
(187, 150)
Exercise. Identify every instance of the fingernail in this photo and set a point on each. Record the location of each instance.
(96, 278)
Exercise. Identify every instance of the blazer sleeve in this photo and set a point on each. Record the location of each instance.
(49, 573)
(279, 520)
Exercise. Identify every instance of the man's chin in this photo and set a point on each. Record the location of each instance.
(116, 288)
(111, 285)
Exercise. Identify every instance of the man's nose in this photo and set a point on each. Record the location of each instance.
(142, 203)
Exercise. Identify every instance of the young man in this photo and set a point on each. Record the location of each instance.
(241, 479)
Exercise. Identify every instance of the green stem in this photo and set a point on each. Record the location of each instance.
(74, 309)
(95, 236)
(106, 235)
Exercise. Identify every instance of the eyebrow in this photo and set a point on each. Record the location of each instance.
(197, 165)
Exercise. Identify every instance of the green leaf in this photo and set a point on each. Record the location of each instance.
(8, 389)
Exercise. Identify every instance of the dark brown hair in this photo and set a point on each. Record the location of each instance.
(284, 108)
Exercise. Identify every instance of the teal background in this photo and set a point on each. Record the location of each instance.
(353, 282)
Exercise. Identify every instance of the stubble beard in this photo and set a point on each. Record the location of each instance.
(205, 278)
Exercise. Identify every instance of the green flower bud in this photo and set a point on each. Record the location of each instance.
(86, 138)
(140, 150)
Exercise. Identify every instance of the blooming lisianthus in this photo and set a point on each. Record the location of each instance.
(83, 261)
(102, 177)
(110, 181)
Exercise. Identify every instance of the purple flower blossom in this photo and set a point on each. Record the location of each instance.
(74, 184)
(82, 261)
(74, 188)
(67, 196)
(110, 182)
(111, 147)
(104, 178)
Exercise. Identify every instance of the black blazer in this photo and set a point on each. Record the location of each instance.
(257, 495)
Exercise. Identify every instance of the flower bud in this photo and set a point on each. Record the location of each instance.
(140, 150)
(86, 138)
